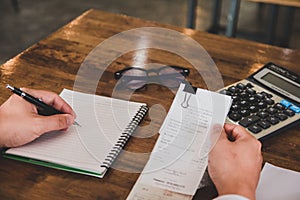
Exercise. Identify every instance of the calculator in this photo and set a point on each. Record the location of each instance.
(265, 102)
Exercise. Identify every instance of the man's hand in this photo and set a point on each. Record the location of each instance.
(20, 123)
(234, 166)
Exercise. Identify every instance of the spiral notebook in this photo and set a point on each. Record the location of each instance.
(105, 126)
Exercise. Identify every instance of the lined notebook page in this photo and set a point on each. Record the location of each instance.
(102, 121)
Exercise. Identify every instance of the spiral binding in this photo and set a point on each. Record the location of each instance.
(114, 152)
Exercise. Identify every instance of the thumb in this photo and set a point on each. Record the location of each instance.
(236, 132)
(53, 123)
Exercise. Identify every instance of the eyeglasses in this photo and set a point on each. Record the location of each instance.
(136, 78)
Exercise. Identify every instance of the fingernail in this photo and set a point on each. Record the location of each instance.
(70, 120)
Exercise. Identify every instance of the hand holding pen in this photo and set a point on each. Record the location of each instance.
(22, 121)
(42, 108)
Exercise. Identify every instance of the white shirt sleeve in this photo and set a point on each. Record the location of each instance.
(231, 197)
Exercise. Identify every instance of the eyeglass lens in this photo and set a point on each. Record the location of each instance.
(171, 77)
(167, 76)
(135, 78)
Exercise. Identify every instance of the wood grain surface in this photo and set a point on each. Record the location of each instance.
(63, 60)
(292, 3)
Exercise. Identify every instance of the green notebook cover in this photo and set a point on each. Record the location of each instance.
(49, 164)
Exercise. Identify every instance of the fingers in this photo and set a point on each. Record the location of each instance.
(52, 123)
(231, 132)
(236, 132)
(52, 99)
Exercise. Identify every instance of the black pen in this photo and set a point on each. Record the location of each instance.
(43, 108)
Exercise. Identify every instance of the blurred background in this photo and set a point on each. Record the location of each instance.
(25, 22)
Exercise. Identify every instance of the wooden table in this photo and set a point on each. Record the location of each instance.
(53, 64)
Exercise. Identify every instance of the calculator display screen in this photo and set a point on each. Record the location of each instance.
(279, 82)
(283, 84)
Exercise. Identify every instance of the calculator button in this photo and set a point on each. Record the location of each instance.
(252, 100)
(244, 112)
(241, 86)
(269, 101)
(279, 106)
(235, 98)
(267, 95)
(243, 95)
(254, 128)
(289, 112)
(259, 96)
(273, 120)
(235, 107)
(249, 85)
(250, 91)
(264, 124)
(249, 120)
(294, 108)
(253, 109)
(233, 89)
(262, 105)
(281, 116)
(244, 104)
(285, 103)
(271, 110)
(235, 116)
(263, 114)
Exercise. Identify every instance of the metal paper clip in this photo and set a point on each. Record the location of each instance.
(185, 103)
(189, 90)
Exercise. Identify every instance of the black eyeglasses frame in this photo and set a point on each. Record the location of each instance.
(185, 71)
(150, 79)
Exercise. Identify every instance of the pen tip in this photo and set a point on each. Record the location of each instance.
(76, 123)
